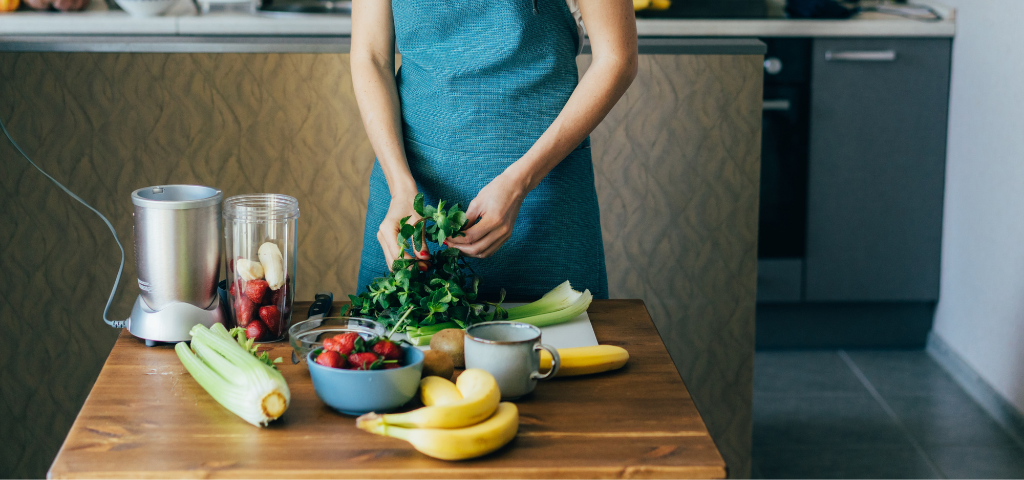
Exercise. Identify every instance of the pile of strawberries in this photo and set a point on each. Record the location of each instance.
(258, 309)
(352, 352)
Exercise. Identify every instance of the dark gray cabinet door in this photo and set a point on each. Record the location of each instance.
(876, 169)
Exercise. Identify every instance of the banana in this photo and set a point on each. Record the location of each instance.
(586, 360)
(660, 4)
(641, 4)
(248, 269)
(438, 391)
(273, 264)
(480, 397)
(458, 443)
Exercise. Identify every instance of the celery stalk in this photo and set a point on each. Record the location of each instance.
(421, 341)
(432, 329)
(557, 299)
(234, 378)
(570, 312)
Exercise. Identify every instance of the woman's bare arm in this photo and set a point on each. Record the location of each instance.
(373, 78)
(611, 26)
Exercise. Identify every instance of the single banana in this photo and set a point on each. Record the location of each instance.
(438, 391)
(273, 264)
(248, 269)
(458, 443)
(480, 397)
(586, 360)
(641, 4)
(660, 4)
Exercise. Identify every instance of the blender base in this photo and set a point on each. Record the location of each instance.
(172, 323)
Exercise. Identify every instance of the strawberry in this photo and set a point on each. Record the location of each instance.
(388, 349)
(332, 359)
(256, 289)
(346, 342)
(279, 297)
(330, 344)
(364, 361)
(271, 316)
(244, 310)
(256, 330)
(389, 366)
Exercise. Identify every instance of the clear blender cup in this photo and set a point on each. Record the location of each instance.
(260, 246)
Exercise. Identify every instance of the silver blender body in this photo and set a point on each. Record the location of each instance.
(177, 258)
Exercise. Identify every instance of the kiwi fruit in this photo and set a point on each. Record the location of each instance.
(451, 341)
(437, 363)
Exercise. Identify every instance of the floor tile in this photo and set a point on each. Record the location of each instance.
(947, 419)
(800, 372)
(1006, 461)
(838, 420)
(904, 372)
(843, 462)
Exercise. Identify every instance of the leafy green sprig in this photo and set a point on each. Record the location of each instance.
(419, 293)
(247, 343)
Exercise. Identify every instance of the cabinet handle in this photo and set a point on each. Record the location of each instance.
(780, 105)
(861, 56)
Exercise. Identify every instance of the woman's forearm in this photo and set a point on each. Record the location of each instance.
(598, 91)
(377, 95)
(611, 27)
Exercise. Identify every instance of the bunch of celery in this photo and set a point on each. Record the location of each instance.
(247, 386)
(559, 305)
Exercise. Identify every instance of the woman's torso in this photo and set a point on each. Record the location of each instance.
(470, 67)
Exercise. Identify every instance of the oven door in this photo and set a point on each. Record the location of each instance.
(783, 214)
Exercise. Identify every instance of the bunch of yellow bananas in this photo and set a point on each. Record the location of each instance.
(461, 420)
(651, 4)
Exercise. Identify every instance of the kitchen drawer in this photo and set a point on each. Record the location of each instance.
(876, 169)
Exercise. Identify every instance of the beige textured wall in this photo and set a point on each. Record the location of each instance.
(676, 163)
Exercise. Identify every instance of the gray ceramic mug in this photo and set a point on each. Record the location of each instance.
(511, 352)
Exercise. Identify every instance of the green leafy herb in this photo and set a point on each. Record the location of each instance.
(239, 335)
(422, 302)
(445, 292)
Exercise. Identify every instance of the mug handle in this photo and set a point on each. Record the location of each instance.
(556, 362)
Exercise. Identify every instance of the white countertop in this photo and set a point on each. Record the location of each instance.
(182, 20)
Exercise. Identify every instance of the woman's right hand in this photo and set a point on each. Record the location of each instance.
(387, 234)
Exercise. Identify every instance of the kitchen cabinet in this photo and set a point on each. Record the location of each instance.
(876, 169)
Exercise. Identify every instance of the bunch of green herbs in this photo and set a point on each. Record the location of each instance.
(422, 297)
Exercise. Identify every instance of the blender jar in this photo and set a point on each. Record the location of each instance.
(260, 247)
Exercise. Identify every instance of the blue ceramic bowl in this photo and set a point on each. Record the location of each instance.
(355, 392)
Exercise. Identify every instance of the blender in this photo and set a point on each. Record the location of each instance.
(177, 258)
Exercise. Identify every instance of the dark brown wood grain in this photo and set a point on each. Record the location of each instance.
(146, 417)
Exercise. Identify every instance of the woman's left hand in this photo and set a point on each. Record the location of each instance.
(496, 206)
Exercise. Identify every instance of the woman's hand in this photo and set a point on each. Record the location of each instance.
(387, 234)
(496, 206)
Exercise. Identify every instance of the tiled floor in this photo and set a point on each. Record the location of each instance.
(872, 414)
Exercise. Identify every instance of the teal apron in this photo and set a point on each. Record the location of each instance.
(480, 82)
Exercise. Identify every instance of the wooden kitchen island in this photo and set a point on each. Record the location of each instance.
(676, 167)
(146, 417)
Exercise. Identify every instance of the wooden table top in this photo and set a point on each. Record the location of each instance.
(146, 417)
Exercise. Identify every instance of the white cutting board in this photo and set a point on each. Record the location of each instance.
(577, 332)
